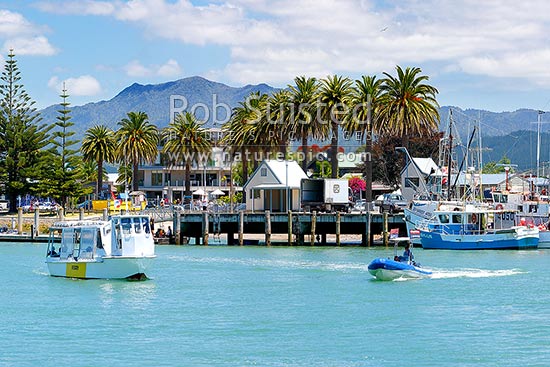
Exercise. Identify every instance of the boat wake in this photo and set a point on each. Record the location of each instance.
(280, 263)
(473, 273)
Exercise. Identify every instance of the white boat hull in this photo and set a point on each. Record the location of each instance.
(544, 239)
(386, 274)
(115, 267)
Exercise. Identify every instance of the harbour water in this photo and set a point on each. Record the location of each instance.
(280, 306)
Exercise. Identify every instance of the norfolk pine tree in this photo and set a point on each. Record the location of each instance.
(63, 179)
(22, 137)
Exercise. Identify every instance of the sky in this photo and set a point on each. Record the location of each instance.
(491, 54)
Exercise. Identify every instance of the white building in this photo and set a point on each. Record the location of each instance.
(162, 181)
(274, 186)
(420, 176)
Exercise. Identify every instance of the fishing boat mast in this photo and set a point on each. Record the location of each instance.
(538, 143)
(450, 159)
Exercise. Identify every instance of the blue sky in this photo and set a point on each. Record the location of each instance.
(493, 55)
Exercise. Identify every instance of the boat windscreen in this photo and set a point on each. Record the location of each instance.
(145, 222)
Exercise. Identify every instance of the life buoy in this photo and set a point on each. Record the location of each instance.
(474, 218)
(117, 203)
(499, 207)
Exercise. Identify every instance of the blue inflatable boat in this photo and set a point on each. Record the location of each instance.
(387, 269)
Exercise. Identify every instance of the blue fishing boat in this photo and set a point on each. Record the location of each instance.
(399, 266)
(477, 229)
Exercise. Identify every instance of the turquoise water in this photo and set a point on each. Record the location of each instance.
(257, 306)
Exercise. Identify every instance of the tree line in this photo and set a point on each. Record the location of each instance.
(41, 159)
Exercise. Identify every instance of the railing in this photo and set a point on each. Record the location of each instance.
(160, 214)
(448, 230)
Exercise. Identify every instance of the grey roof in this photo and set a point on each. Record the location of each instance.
(487, 179)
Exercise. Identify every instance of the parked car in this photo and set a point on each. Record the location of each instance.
(239, 207)
(47, 206)
(4, 206)
(393, 203)
(26, 208)
(186, 207)
(43, 206)
(87, 205)
(360, 205)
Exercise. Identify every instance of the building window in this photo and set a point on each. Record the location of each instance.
(412, 182)
(156, 178)
(263, 172)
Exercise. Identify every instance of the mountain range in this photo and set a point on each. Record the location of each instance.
(159, 100)
(155, 100)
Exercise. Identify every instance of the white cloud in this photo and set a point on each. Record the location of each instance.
(30, 46)
(135, 69)
(85, 85)
(171, 68)
(24, 37)
(14, 24)
(273, 41)
(81, 7)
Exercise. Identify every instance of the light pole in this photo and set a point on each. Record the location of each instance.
(368, 163)
(204, 180)
(286, 184)
(538, 143)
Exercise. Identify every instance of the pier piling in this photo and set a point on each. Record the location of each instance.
(36, 228)
(338, 218)
(267, 228)
(385, 228)
(313, 225)
(20, 220)
(177, 229)
(241, 228)
(289, 228)
(205, 228)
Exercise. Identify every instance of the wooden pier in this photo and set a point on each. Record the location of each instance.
(297, 228)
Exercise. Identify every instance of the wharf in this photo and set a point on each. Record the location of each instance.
(23, 238)
(300, 228)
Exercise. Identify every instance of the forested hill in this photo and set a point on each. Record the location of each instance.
(154, 99)
(520, 147)
(492, 123)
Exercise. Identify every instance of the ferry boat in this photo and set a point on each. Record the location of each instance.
(119, 248)
(477, 229)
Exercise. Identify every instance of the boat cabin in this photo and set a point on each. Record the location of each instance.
(124, 236)
(471, 222)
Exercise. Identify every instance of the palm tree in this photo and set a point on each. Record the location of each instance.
(240, 131)
(138, 142)
(273, 130)
(363, 117)
(408, 104)
(334, 95)
(187, 140)
(366, 90)
(99, 146)
(305, 124)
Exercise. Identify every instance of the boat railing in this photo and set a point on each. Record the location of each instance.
(464, 230)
